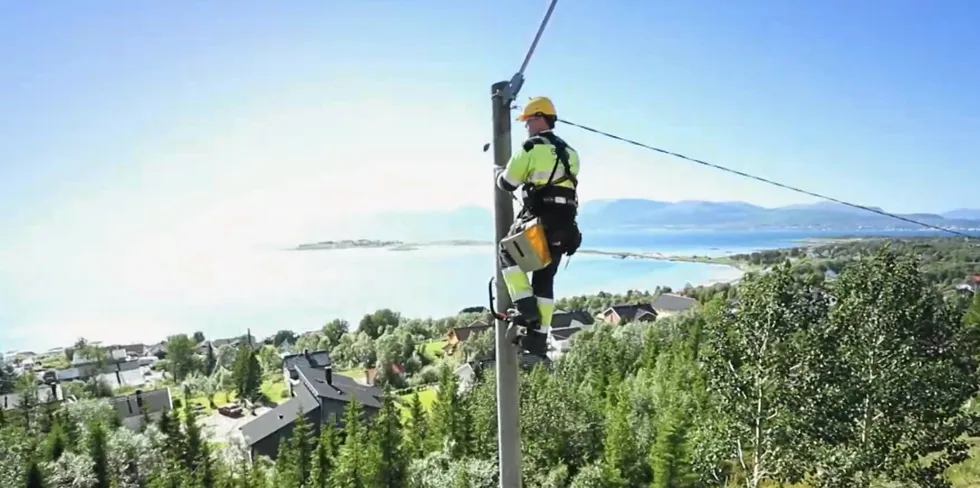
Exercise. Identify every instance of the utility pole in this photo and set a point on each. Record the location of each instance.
(508, 392)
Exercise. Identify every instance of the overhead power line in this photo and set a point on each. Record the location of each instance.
(769, 182)
(517, 81)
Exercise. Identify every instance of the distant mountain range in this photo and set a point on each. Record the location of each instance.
(625, 214)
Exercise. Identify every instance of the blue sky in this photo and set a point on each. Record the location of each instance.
(163, 126)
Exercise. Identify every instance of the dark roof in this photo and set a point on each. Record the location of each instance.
(564, 319)
(316, 359)
(284, 414)
(632, 312)
(154, 401)
(464, 333)
(669, 302)
(340, 388)
(562, 334)
(46, 393)
(121, 366)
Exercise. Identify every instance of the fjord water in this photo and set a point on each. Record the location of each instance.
(223, 291)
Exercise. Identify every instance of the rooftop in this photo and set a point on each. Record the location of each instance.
(562, 334)
(669, 302)
(284, 414)
(338, 387)
(155, 401)
(307, 358)
(564, 319)
(632, 312)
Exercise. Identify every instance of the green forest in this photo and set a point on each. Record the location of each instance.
(792, 378)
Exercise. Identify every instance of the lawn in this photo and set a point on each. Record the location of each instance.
(356, 373)
(272, 388)
(427, 396)
(433, 350)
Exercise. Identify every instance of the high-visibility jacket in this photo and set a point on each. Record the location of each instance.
(536, 161)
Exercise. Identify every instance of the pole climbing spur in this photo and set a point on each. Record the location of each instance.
(515, 332)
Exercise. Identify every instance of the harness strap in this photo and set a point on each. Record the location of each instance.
(561, 153)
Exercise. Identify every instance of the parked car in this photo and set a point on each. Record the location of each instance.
(230, 410)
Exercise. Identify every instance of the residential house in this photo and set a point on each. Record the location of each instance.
(130, 407)
(116, 374)
(315, 391)
(620, 314)
(460, 335)
(669, 304)
(576, 319)
(112, 354)
(560, 341)
(563, 326)
(46, 393)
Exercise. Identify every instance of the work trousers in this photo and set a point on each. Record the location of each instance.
(562, 237)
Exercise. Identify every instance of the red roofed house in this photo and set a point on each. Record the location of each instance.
(462, 334)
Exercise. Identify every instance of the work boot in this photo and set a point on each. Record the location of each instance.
(535, 342)
(525, 313)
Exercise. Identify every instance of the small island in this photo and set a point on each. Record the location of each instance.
(379, 244)
(347, 244)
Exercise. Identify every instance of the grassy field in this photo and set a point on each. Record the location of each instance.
(433, 350)
(272, 388)
(357, 374)
(427, 396)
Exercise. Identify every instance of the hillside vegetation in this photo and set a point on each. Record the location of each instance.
(947, 262)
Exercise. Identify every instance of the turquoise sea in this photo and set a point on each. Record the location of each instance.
(223, 292)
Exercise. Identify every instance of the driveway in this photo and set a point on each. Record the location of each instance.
(225, 430)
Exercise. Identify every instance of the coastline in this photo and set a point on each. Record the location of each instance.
(741, 268)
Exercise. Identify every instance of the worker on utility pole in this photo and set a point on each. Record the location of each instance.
(546, 170)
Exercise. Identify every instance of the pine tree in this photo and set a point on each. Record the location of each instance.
(247, 373)
(354, 469)
(301, 445)
(145, 419)
(210, 361)
(98, 451)
(416, 429)
(387, 439)
(70, 427)
(197, 456)
(285, 465)
(33, 477)
(449, 421)
(57, 442)
(325, 455)
(621, 457)
(115, 422)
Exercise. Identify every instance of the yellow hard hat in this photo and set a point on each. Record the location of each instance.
(539, 105)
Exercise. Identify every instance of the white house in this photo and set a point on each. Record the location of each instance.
(564, 325)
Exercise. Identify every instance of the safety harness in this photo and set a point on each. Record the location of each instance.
(536, 196)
